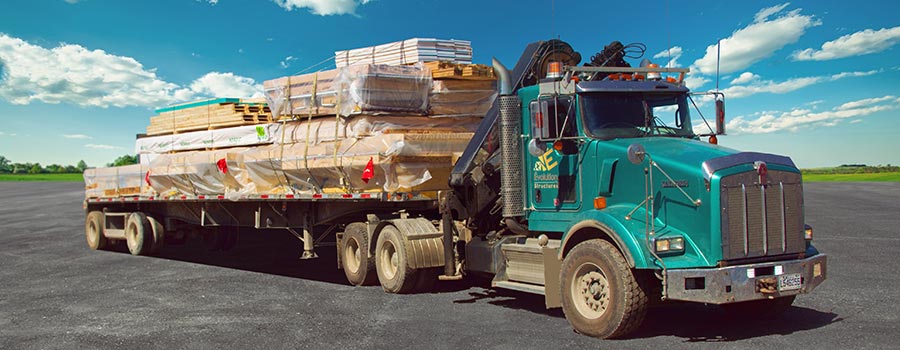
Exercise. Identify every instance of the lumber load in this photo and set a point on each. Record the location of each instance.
(408, 51)
(451, 70)
(455, 98)
(121, 181)
(359, 89)
(208, 115)
(247, 135)
(199, 173)
(398, 163)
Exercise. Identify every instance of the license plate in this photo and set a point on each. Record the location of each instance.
(791, 281)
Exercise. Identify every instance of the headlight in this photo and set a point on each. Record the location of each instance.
(807, 232)
(670, 245)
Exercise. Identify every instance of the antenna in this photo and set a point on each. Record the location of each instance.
(668, 38)
(718, 55)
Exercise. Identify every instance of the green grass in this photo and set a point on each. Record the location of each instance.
(42, 177)
(869, 177)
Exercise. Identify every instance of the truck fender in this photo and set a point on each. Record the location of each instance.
(588, 229)
(423, 241)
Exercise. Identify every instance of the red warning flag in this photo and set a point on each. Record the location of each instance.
(147, 178)
(369, 172)
(222, 165)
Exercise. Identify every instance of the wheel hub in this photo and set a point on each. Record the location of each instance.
(590, 291)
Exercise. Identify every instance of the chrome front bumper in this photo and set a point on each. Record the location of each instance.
(743, 282)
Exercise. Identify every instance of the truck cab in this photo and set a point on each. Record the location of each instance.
(619, 201)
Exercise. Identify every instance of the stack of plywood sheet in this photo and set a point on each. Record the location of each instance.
(208, 115)
(407, 52)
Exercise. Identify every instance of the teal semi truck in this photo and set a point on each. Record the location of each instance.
(587, 184)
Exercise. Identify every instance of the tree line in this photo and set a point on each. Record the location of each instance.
(9, 167)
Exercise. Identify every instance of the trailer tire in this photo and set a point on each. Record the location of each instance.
(394, 272)
(138, 234)
(600, 296)
(93, 231)
(159, 235)
(358, 266)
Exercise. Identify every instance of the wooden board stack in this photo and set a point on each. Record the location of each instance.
(450, 70)
(209, 115)
(407, 52)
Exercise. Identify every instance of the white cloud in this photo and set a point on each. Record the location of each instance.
(768, 86)
(859, 43)
(803, 118)
(672, 54)
(77, 136)
(744, 78)
(94, 78)
(286, 62)
(756, 41)
(323, 7)
(864, 102)
(764, 14)
(101, 146)
(215, 84)
(74, 74)
(854, 74)
(695, 81)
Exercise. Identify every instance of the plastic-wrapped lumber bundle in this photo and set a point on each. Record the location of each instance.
(198, 173)
(248, 135)
(121, 181)
(396, 162)
(456, 97)
(364, 89)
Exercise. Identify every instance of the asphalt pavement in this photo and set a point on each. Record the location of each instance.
(55, 293)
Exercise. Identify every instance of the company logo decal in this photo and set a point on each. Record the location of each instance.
(546, 162)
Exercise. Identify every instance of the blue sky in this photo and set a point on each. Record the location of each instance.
(814, 80)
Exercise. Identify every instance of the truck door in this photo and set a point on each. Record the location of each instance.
(554, 173)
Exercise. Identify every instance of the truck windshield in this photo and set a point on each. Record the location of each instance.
(626, 115)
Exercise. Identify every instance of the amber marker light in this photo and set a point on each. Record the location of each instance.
(558, 145)
(714, 140)
(599, 202)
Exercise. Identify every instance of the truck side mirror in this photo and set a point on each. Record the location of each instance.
(720, 117)
(544, 122)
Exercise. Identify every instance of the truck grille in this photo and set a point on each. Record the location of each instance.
(761, 220)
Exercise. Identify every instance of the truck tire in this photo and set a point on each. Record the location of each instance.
(159, 234)
(394, 273)
(138, 234)
(758, 309)
(600, 296)
(358, 266)
(93, 231)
